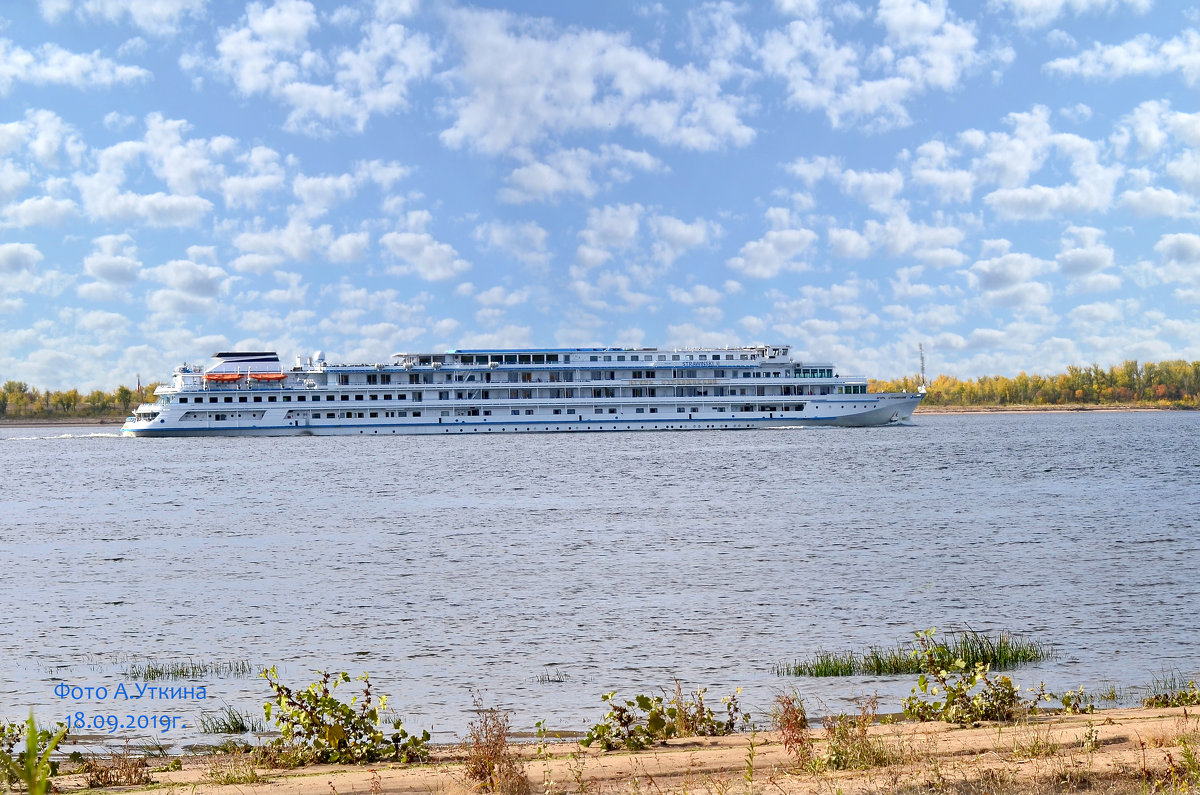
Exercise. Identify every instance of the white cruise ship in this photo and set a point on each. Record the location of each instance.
(514, 390)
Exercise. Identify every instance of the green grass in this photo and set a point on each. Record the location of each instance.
(230, 721)
(1001, 651)
(1172, 689)
(151, 670)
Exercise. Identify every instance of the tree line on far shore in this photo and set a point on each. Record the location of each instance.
(1171, 384)
(20, 401)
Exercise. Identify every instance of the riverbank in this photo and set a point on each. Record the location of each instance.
(1112, 751)
(925, 409)
(60, 422)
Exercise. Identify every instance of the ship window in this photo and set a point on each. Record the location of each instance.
(680, 410)
(612, 411)
(416, 414)
(620, 358)
(639, 411)
(372, 378)
(343, 380)
(258, 398)
(539, 358)
(212, 400)
(228, 399)
(183, 400)
(608, 358)
(329, 415)
(594, 358)
(219, 417)
(558, 411)
(703, 357)
(528, 411)
(598, 411)
(515, 412)
(662, 357)
(675, 357)
(487, 412)
(241, 398)
(633, 358)
(300, 398)
(271, 398)
(570, 411)
(695, 409)
(374, 413)
(401, 413)
(385, 397)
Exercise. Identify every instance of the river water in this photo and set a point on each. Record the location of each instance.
(542, 571)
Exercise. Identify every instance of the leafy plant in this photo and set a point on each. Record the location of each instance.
(647, 720)
(336, 731)
(31, 767)
(791, 720)
(848, 746)
(1170, 691)
(491, 762)
(956, 694)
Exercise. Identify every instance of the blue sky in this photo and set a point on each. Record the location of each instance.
(1012, 183)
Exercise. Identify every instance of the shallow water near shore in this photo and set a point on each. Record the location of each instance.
(596, 562)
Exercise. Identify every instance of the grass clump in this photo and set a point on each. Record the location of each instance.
(230, 721)
(232, 769)
(491, 761)
(848, 746)
(1001, 651)
(1169, 690)
(120, 769)
(152, 670)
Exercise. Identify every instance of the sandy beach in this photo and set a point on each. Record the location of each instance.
(1119, 750)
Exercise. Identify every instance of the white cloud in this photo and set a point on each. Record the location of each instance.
(1142, 56)
(50, 64)
(674, 237)
(1157, 201)
(1038, 13)
(525, 241)
(38, 211)
(1181, 256)
(114, 260)
(697, 295)
(777, 250)
(848, 244)
(499, 297)
(420, 253)
(524, 82)
(157, 17)
(269, 54)
(15, 257)
(610, 227)
(576, 171)
(925, 48)
(263, 173)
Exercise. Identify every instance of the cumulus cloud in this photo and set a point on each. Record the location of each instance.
(1142, 56)
(157, 17)
(51, 65)
(113, 260)
(576, 171)
(523, 82)
(15, 257)
(777, 250)
(925, 48)
(420, 253)
(268, 53)
(1039, 13)
(525, 241)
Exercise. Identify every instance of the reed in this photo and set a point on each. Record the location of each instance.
(151, 670)
(1001, 651)
(230, 721)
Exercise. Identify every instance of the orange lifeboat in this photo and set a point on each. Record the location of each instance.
(268, 376)
(223, 377)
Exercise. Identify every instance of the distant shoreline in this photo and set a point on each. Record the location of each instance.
(59, 422)
(1027, 409)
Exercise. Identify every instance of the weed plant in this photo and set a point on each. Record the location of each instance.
(232, 769)
(1000, 652)
(647, 720)
(790, 719)
(491, 763)
(31, 767)
(335, 731)
(849, 746)
(120, 769)
(1170, 690)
